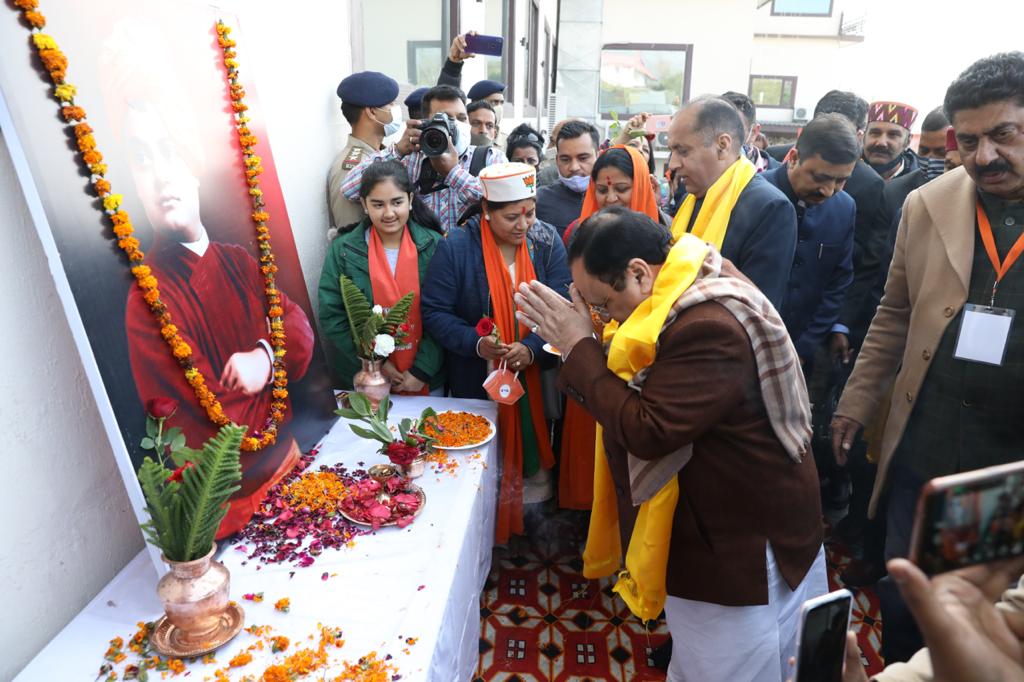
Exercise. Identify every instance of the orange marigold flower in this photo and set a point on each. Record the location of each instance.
(72, 113)
(141, 271)
(53, 60)
(83, 129)
(123, 230)
(26, 4)
(102, 186)
(93, 157)
(275, 311)
(136, 255)
(35, 19)
(175, 665)
(239, 106)
(280, 393)
(279, 644)
(276, 673)
(250, 444)
(86, 143)
(151, 296)
(241, 659)
(260, 216)
(148, 282)
(283, 605)
(128, 243)
(182, 350)
(97, 168)
(119, 217)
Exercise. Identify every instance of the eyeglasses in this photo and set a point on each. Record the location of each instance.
(600, 309)
(529, 137)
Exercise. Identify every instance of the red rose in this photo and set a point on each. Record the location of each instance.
(176, 476)
(485, 327)
(161, 408)
(400, 453)
(404, 327)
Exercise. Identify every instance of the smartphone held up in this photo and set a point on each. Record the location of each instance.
(821, 637)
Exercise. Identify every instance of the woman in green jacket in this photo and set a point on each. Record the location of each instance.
(386, 256)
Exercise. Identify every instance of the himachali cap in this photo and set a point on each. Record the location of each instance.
(509, 182)
(950, 139)
(484, 88)
(892, 112)
(368, 89)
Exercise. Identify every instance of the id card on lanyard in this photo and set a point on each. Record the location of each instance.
(985, 330)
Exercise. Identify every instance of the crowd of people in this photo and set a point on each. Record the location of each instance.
(709, 359)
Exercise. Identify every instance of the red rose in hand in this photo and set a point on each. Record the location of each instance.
(485, 327)
(401, 454)
(176, 476)
(161, 408)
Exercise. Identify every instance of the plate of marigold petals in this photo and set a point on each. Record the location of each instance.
(459, 430)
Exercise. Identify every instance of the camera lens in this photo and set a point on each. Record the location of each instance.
(434, 141)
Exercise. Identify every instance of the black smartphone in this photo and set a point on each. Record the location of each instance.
(487, 45)
(821, 637)
(969, 518)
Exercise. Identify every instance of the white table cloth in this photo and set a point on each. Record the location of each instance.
(375, 597)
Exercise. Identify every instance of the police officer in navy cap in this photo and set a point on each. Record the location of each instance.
(414, 103)
(368, 103)
(490, 91)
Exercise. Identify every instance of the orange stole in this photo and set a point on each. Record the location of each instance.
(579, 431)
(389, 287)
(510, 426)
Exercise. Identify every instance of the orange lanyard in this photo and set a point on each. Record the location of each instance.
(990, 247)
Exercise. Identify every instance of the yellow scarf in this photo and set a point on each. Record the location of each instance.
(633, 347)
(719, 201)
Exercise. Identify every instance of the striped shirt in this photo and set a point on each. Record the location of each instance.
(461, 190)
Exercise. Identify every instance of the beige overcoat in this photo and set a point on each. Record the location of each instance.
(928, 284)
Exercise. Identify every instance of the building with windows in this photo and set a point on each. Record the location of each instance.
(623, 58)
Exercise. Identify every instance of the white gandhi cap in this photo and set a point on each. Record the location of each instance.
(509, 182)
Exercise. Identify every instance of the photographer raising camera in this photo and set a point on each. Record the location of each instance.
(437, 153)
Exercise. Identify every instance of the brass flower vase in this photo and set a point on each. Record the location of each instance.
(199, 617)
(416, 468)
(371, 382)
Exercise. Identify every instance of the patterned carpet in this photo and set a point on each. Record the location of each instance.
(543, 621)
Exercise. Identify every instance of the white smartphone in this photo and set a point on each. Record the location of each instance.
(821, 637)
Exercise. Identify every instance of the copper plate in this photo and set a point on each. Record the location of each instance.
(165, 636)
(411, 488)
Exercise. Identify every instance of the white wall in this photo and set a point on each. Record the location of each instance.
(67, 525)
(816, 62)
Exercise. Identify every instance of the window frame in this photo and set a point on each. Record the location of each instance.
(686, 48)
(831, 8)
(763, 76)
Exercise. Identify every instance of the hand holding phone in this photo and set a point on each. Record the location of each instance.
(486, 45)
(821, 637)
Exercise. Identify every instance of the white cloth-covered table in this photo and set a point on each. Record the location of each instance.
(375, 596)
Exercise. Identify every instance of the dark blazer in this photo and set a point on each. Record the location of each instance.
(761, 238)
(739, 490)
(822, 267)
(558, 205)
(456, 295)
(874, 216)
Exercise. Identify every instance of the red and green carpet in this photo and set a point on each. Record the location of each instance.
(542, 621)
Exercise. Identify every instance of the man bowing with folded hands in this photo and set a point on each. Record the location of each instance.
(702, 469)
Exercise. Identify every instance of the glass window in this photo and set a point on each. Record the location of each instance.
(638, 78)
(773, 92)
(530, 52)
(812, 8)
(494, 25)
(409, 51)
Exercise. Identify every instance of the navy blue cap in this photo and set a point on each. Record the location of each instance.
(485, 88)
(368, 89)
(415, 98)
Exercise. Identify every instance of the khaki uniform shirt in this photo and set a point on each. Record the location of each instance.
(342, 211)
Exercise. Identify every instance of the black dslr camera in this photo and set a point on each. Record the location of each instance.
(436, 132)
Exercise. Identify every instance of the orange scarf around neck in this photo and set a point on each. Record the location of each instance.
(389, 287)
(510, 425)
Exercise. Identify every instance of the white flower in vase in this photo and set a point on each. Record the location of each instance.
(378, 310)
(383, 345)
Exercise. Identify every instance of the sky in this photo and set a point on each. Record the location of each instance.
(914, 49)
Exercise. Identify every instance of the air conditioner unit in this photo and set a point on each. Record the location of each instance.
(801, 114)
(556, 111)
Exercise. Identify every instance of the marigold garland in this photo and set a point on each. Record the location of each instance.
(55, 63)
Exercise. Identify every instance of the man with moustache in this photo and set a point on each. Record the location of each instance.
(941, 328)
(887, 139)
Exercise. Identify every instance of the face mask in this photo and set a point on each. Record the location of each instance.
(577, 183)
(396, 121)
(933, 168)
(463, 136)
(480, 140)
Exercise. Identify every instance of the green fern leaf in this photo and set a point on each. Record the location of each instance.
(163, 504)
(205, 489)
(398, 314)
(358, 309)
